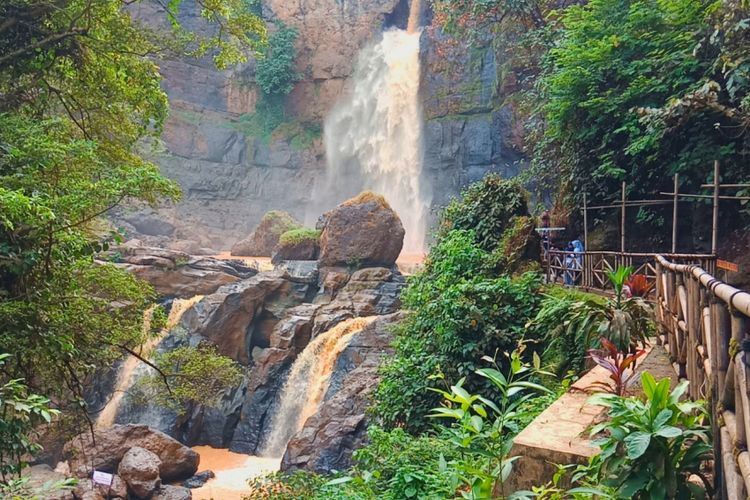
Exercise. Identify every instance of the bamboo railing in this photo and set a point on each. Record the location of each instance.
(705, 327)
(588, 270)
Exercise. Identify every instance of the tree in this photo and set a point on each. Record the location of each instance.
(79, 99)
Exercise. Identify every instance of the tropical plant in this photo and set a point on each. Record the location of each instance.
(620, 365)
(571, 324)
(651, 446)
(638, 286)
(21, 412)
(22, 489)
(483, 428)
(554, 489)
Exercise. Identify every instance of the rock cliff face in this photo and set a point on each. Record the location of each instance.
(231, 176)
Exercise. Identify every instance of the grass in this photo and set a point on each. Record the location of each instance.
(299, 236)
(366, 197)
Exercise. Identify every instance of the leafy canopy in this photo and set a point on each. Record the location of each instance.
(80, 97)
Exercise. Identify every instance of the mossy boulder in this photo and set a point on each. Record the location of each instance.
(361, 232)
(263, 240)
(297, 244)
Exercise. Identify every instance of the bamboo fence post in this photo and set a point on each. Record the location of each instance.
(714, 227)
(675, 202)
(723, 330)
(622, 221)
(692, 322)
(739, 332)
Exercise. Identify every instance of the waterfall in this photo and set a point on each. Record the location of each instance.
(373, 136)
(307, 383)
(126, 374)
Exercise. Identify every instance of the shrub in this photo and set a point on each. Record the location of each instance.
(572, 322)
(299, 236)
(652, 446)
(276, 72)
(460, 312)
(488, 208)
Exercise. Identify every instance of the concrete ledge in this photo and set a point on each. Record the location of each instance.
(560, 434)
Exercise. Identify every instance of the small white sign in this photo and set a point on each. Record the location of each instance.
(103, 478)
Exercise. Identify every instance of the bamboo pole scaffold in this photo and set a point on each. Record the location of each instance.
(674, 200)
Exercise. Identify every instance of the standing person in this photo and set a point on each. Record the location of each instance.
(569, 264)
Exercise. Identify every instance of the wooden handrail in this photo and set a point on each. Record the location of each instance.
(704, 325)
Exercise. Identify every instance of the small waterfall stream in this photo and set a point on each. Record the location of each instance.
(126, 375)
(308, 382)
(373, 136)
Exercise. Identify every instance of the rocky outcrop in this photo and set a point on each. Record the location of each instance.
(265, 237)
(241, 316)
(139, 468)
(361, 232)
(368, 292)
(329, 437)
(106, 448)
(175, 274)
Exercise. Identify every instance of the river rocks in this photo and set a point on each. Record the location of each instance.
(363, 231)
(329, 437)
(199, 479)
(112, 443)
(265, 237)
(299, 244)
(139, 468)
(169, 492)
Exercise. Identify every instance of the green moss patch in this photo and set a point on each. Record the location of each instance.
(299, 236)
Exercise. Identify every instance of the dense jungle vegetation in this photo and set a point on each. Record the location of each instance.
(611, 89)
(80, 98)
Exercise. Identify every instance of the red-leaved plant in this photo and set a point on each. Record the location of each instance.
(638, 285)
(621, 367)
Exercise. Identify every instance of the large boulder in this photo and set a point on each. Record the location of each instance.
(264, 239)
(363, 231)
(242, 315)
(106, 448)
(139, 468)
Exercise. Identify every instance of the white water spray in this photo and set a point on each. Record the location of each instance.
(373, 137)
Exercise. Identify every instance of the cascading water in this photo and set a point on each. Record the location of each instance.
(307, 383)
(373, 137)
(127, 374)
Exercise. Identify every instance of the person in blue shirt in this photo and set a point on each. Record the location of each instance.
(573, 261)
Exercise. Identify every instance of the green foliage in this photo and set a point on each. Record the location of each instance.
(651, 447)
(195, 376)
(483, 430)
(393, 465)
(613, 57)
(276, 71)
(20, 489)
(22, 411)
(487, 208)
(78, 99)
(571, 323)
(460, 311)
(299, 236)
